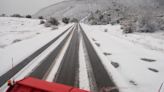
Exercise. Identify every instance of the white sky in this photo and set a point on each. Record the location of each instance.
(24, 6)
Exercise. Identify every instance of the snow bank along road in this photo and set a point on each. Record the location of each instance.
(64, 66)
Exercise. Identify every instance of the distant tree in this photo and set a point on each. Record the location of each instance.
(28, 16)
(40, 17)
(65, 20)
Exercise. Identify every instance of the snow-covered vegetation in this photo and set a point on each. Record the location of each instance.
(135, 61)
(149, 18)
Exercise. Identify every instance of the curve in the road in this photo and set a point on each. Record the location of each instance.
(9, 74)
(101, 76)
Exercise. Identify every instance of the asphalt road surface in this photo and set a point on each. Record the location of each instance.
(68, 71)
(9, 74)
(102, 78)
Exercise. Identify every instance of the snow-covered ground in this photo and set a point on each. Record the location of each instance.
(19, 37)
(139, 57)
(135, 61)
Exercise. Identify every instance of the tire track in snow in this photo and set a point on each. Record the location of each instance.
(83, 71)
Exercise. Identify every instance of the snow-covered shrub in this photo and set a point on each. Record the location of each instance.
(65, 20)
(145, 23)
(16, 15)
(53, 21)
(105, 30)
(42, 21)
(98, 44)
(54, 27)
(93, 22)
(133, 82)
(47, 24)
(16, 40)
(40, 17)
(115, 64)
(106, 53)
(99, 18)
(161, 23)
(28, 16)
(127, 27)
(3, 15)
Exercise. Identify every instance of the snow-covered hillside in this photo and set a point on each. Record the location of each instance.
(81, 8)
(138, 58)
(24, 7)
(73, 8)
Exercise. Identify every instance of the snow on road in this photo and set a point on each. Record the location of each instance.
(138, 57)
(58, 60)
(12, 29)
(83, 72)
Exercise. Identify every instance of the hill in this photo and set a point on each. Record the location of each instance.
(81, 8)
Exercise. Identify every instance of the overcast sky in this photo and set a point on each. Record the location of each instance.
(24, 6)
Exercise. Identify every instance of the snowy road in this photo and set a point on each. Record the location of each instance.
(67, 70)
(42, 69)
